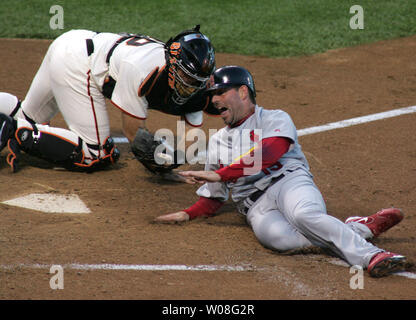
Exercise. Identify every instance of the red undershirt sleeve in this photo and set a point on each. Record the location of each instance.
(272, 149)
(203, 207)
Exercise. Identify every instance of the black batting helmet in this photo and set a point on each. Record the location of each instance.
(230, 77)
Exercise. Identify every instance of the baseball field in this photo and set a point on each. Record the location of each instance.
(317, 60)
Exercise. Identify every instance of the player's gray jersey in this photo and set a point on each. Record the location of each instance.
(229, 144)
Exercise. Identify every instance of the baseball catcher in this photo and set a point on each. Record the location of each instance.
(82, 69)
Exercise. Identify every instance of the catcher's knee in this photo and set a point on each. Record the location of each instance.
(9, 104)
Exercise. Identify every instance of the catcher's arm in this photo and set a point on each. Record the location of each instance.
(130, 125)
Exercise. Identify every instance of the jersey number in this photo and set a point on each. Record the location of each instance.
(137, 42)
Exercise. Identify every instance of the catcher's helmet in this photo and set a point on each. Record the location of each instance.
(190, 63)
(230, 77)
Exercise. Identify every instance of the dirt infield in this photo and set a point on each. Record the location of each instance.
(359, 170)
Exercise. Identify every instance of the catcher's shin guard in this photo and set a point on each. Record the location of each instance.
(44, 145)
(111, 154)
(58, 150)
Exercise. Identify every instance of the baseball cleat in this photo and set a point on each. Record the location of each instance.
(381, 221)
(385, 263)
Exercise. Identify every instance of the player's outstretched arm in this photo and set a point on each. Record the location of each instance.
(180, 216)
(130, 126)
(193, 177)
(203, 207)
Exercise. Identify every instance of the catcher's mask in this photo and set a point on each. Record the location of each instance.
(190, 62)
(230, 77)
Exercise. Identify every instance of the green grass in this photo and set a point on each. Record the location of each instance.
(266, 28)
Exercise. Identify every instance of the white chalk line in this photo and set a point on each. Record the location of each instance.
(338, 124)
(170, 267)
(134, 267)
(358, 120)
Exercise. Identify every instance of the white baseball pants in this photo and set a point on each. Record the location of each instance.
(291, 214)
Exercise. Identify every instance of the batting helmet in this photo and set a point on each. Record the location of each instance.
(192, 53)
(230, 77)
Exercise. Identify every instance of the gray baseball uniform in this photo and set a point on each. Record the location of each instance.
(291, 213)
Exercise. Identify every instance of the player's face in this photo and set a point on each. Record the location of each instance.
(228, 102)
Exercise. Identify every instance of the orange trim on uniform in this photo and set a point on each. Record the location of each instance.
(82, 165)
(131, 115)
(149, 76)
(157, 77)
(11, 156)
(15, 133)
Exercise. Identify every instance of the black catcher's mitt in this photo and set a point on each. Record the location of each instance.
(144, 148)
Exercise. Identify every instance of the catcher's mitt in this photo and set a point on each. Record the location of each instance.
(144, 148)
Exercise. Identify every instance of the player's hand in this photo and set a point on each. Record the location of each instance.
(173, 176)
(193, 177)
(180, 216)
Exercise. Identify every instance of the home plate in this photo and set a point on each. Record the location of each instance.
(49, 202)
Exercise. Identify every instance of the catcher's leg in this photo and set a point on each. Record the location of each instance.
(39, 103)
(75, 91)
(56, 145)
(9, 104)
